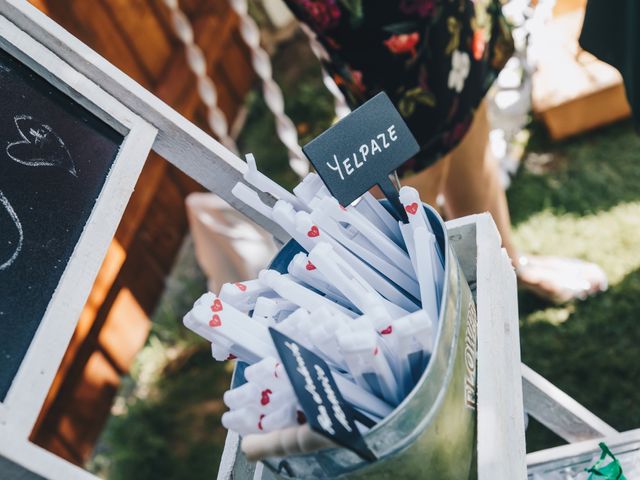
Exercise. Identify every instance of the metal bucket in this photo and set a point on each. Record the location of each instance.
(432, 433)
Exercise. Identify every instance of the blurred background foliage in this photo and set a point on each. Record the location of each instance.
(577, 198)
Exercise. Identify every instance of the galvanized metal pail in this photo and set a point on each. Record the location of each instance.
(432, 433)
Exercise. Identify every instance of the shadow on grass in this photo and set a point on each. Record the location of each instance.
(590, 173)
(592, 356)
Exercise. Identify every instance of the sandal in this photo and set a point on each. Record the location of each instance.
(560, 279)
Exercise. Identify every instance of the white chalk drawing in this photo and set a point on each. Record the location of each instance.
(16, 221)
(40, 146)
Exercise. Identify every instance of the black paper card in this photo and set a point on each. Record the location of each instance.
(362, 149)
(326, 410)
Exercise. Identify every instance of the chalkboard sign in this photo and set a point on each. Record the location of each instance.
(362, 149)
(55, 157)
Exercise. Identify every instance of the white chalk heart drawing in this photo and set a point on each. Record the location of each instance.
(40, 146)
(13, 218)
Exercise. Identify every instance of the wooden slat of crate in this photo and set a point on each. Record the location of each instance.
(574, 92)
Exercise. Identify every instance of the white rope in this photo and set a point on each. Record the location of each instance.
(271, 91)
(261, 63)
(340, 104)
(197, 63)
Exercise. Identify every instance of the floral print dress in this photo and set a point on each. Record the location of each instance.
(435, 59)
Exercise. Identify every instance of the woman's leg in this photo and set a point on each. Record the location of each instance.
(430, 182)
(473, 185)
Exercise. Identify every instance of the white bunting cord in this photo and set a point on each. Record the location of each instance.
(261, 63)
(271, 91)
(197, 63)
(340, 104)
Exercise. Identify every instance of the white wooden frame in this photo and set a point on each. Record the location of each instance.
(22, 404)
(147, 123)
(31, 383)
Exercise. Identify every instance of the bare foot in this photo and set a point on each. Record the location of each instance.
(560, 279)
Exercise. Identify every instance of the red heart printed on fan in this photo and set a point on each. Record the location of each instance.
(241, 286)
(217, 305)
(215, 321)
(387, 330)
(300, 417)
(313, 232)
(310, 266)
(265, 397)
(412, 209)
(260, 421)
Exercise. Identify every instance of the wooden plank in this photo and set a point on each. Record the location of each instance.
(588, 449)
(107, 275)
(499, 393)
(236, 65)
(558, 411)
(142, 31)
(565, 6)
(164, 225)
(145, 190)
(61, 397)
(125, 330)
(91, 23)
(573, 91)
(142, 265)
(91, 398)
(589, 112)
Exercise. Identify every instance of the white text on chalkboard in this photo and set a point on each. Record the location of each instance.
(39, 146)
(323, 417)
(358, 158)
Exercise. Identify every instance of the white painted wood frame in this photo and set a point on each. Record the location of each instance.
(21, 407)
(22, 404)
(501, 449)
(146, 122)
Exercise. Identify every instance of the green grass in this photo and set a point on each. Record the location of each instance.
(581, 198)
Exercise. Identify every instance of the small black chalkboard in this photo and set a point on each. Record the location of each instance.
(362, 149)
(324, 407)
(55, 156)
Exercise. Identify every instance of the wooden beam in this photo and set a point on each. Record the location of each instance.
(140, 28)
(558, 411)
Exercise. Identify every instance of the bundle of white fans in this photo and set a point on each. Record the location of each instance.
(365, 298)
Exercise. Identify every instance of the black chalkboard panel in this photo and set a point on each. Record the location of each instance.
(55, 156)
(13, 471)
